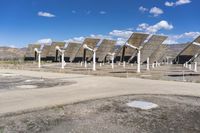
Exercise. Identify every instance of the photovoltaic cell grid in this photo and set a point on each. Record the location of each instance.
(52, 51)
(164, 55)
(45, 51)
(173, 50)
(158, 53)
(91, 42)
(71, 50)
(136, 40)
(30, 52)
(191, 49)
(197, 59)
(150, 46)
(105, 47)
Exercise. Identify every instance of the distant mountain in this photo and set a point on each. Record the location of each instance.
(8, 53)
(175, 49)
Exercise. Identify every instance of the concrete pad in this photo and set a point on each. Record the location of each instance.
(142, 105)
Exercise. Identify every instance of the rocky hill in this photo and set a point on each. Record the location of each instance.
(7, 53)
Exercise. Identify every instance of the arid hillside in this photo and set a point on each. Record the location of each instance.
(8, 53)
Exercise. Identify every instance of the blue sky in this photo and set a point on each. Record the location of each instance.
(27, 21)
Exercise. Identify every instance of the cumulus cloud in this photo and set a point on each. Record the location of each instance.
(156, 11)
(184, 37)
(155, 28)
(74, 11)
(46, 14)
(75, 39)
(121, 41)
(143, 9)
(101, 36)
(44, 41)
(121, 33)
(177, 3)
(102, 12)
(12, 46)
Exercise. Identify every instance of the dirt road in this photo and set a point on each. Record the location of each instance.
(85, 88)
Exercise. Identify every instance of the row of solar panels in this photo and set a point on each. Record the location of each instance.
(190, 52)
(74, 52)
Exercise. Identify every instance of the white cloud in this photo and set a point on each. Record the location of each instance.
(44, 41)
(177, 3)
(75, 39)
(170, 41)
(143, 9)
(155, 28)
(156, 11)
(121, 33)
(46, 14)
(167, 3)
(181, 2)
(121, 41)
(74, 11)
(12, 46)
(101, 36)
(102, 12)
(185, 37)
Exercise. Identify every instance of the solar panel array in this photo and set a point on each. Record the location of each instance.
(105, 47)
(150, 46)
(158, 53)
(188, 52)
(30, 52)
(197, 59)
(136, 40)
(71, 50)
(153, 48)
(191, 49)
(52, 51)
(92, 43)
(45, 51)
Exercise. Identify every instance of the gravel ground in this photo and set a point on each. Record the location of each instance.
(164, 72)
(176, 114)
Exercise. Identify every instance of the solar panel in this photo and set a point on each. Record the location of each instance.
(116, 50)
(71, 50)
(105, 47)
(53, 53)
(91, 42)
(164, 56)
(30, 52)
(191, 49)
(150, 46)
(45, 51)
(197, 59)
(158, 53)
(136, 40)
(187, 53)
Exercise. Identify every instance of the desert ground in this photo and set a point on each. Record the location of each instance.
(78, 100)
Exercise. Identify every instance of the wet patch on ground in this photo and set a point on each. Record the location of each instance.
(9, 81)
(113, 115)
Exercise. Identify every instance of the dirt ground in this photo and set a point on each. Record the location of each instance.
(164, 72)
(76, 99)
(176, 114)
(9, 81)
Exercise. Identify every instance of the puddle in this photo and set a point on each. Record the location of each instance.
(34, 80)
(142, 105)
(27, 86)
(8, 74)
